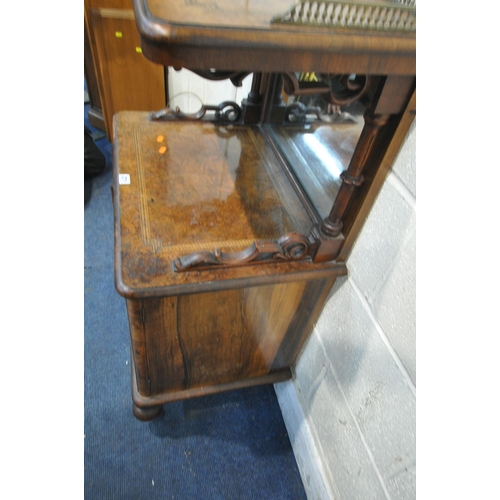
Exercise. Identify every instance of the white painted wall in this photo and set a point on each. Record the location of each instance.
(189, 91)
(350, 409)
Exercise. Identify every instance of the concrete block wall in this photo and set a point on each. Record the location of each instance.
(350, 409)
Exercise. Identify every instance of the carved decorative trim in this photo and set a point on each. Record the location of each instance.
(350, 88)
(291, 247)
(292, 86)
(375, 16)
(339, 90)
(297, 112)
(227, 111)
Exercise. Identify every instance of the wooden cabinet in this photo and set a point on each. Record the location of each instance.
(209, 259)
(231, 229)
(124, 78)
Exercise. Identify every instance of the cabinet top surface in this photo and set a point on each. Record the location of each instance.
(226, 194)
(252, 14)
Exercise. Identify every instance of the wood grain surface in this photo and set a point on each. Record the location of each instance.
(192, 341)
(212, 187)
(239, 35)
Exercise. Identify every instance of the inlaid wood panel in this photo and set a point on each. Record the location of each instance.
(227, 193)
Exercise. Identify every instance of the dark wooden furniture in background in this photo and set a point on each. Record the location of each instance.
(118, 76)
(225, 252)
(96, 117)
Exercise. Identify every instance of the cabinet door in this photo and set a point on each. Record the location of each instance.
(129, 81)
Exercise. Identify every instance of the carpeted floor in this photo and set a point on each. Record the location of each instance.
(228, 446)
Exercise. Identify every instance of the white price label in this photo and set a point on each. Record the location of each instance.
(123, 179)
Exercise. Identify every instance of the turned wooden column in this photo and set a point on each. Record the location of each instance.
(352, 177)
(274, 107)
(251, 107)
(254, 97)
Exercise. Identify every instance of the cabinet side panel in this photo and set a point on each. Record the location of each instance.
(306, 315)
(166, 363)
(269, 311)
(209, 339)
(214, 338)
(138, 348)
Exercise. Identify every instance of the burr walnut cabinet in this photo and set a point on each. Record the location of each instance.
(233, 222)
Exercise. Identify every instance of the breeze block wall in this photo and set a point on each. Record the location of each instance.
(351, 408)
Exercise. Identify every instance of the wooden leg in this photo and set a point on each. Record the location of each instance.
(146, 413)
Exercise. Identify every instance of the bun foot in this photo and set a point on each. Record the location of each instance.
(146, 413)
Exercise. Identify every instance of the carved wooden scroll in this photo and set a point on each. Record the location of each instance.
(339, 90)
(227, 111)
(291, 247)
(297, 112)
(334, 90)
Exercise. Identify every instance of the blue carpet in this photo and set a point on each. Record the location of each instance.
(232, 445)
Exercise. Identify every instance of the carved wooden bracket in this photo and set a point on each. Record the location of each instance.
(297, 112)
(339, 90)
(227, 111)
(291, 247)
